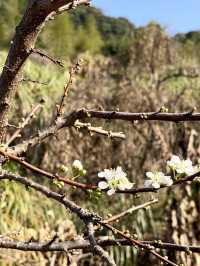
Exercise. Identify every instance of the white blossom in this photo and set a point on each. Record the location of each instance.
(156, 179)
(78, 169)
(114, 179)
(181, 166)
(77, 165)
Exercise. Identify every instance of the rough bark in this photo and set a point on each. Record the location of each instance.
(22, 46)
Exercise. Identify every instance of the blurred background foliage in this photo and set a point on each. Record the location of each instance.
(125, 68)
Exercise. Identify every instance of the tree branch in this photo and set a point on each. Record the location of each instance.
(156, 116)
(24, 124)
(42, 172)
(22, 46)
(85, 245)
(69, 120)
(96, 248)
(70, 182)
(130, 210)
(99, 130)
(80, 212)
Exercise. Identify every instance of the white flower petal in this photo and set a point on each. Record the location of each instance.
(161, 175)
(111, 192)
(175, 159)
(155, 185)
(101, 174)
(188, 162)
(166, 181)
(119, 168)
(148, 183)
(180, 170)
(150, 174)
(103, 185)
(78, 165)
(191, 170)
(129, 185)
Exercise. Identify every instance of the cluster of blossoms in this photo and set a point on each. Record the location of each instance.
(114, 179)
(76, 170)
(157, 179)
(179, 169)
(182, 166)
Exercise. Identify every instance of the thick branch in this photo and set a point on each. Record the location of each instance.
(156, 116)
(85, 245)
(21, 47)
(70, 205)
(84, 215)
(69, 120)
(96, 248)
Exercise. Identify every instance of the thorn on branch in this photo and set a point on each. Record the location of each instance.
(34, 82)
(48, 244)
(72, 72)
(50, 58)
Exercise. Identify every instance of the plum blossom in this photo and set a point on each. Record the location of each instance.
(77, 165)
(181, 166)
(156, 179)
(78, 169)
(114, 179)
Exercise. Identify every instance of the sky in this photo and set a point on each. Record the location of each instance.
(174, 15)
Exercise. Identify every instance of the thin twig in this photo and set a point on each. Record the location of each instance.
(129, 211)
(138, 243)
(23, 124)
(180, 181)
(50, 58)
(42, 172)
(72, 72)
(99, 130)
(60, 108)
(34, 81)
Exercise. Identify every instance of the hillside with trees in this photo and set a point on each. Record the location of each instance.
(112, 74)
